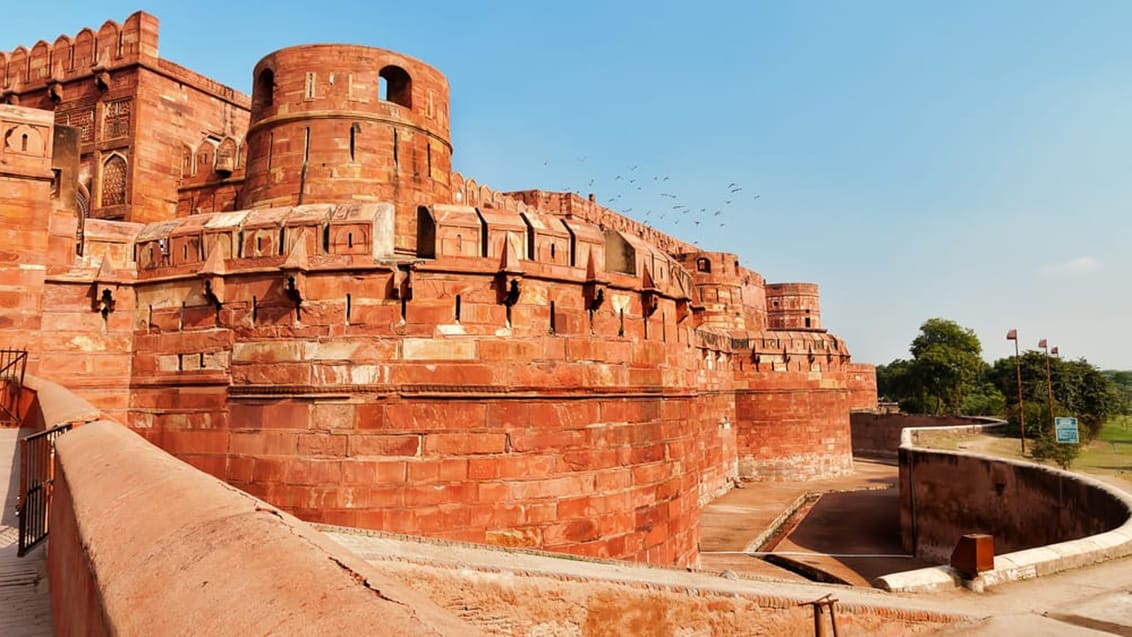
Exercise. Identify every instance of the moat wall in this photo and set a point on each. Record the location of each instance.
(878, 435)
(944, 495)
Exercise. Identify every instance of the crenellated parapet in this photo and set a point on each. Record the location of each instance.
(89, 53)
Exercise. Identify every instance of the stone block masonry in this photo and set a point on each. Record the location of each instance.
(303, 299)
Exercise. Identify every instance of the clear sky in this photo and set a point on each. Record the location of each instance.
(964, 159)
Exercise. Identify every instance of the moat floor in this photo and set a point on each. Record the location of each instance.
(851, 531)
(25, 604)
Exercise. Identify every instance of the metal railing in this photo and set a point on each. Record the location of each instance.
(13, 362)
(37, 481)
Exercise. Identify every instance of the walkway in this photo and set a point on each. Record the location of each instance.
(25, 604)
(859, 520)
(1095, 600)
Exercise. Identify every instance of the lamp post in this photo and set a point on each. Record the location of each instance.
(1049, 381)
(1012, 335)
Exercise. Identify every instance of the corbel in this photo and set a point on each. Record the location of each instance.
(101, 77)
(650, 301)
(9, 96)
(294, 270)
(55, 90)
(650, 295)
(593, 290)
(105, 300)
(511, 292)
(103, 287)
(402, 284)
(212, 289)
(293, 283)
(510, 273)
(212, 278)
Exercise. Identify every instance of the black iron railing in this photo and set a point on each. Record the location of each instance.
(37, 480)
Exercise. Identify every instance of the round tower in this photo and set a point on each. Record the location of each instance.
(793, 306)
(732, 296)
(335, 123)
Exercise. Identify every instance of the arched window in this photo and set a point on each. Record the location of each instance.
(703, 265)
(395, 85)
(114, 181)
(263, 95)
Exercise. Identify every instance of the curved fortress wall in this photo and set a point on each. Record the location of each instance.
(375, 340)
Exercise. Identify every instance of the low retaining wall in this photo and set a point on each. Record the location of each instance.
(143, 544)
(878, 435)
(1043, 520)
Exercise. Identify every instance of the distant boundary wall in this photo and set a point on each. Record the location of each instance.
(878, 435)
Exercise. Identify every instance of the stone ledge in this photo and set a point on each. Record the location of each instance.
(142, 543)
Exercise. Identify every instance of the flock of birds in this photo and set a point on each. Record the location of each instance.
(658, 205)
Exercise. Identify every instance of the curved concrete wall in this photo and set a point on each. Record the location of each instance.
(143, 544)
(1043, 520)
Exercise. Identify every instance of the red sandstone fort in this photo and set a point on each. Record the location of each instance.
(294, 292)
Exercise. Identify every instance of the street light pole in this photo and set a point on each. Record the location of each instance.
(1012, 335)
(1049, 380)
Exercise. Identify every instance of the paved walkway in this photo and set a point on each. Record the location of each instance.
(25, 604)
(858, 520)
(862, 518)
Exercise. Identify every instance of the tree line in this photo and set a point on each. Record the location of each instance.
(947, 375)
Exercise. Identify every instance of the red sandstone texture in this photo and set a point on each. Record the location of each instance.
(308, 303)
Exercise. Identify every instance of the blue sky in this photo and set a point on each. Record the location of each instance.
(965, 160)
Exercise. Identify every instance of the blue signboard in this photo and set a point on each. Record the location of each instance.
(1066, 430)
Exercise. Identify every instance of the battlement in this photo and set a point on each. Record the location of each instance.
(573, 205)
(114, 44)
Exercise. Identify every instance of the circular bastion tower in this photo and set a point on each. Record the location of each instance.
(793, 306)
(334, 123)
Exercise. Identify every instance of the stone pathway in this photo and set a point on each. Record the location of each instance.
(860, 518)
(25, 603)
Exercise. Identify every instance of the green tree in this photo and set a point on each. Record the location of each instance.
(1122, 379)
(896, 382)
(1079, 389)
(1039, 429)
(946, 363)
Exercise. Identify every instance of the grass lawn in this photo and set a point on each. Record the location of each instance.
(1109, 454)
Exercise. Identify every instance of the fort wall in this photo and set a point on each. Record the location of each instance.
(381, 342)
(152, 573)
(155, 573)
(140, 118)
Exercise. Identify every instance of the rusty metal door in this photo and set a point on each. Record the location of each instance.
(37, 478)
